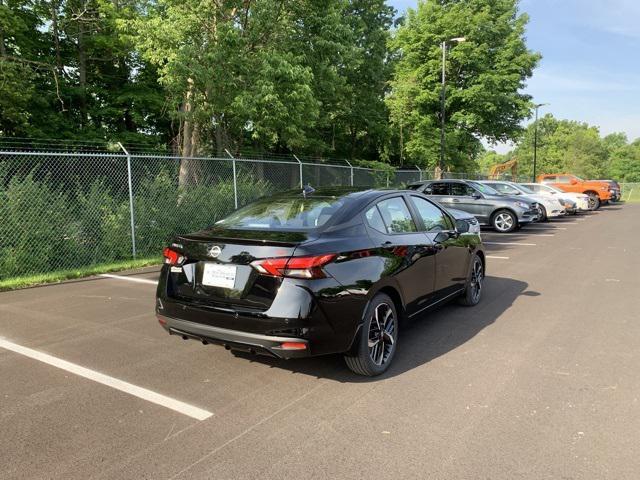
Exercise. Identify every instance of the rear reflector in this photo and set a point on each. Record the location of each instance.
(294, 346)
(161, 320)
(296, 267)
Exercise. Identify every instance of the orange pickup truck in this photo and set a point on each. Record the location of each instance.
(599, 191)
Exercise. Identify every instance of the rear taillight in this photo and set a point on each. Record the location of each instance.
(171, 257)
(296, 267)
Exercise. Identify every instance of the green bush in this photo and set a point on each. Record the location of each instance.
(37, 229)
(44, 228)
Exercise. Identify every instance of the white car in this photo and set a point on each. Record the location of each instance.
(581, 200)
(549, 206)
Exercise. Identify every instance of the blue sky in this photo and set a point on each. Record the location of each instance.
(590, 70)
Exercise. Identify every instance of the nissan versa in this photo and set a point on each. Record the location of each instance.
(318, 272)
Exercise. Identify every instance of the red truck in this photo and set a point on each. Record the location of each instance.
(599, 191)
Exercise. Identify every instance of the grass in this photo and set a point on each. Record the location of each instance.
(631, 194)
(60, 275)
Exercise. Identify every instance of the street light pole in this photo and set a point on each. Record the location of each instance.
(535, 140)
(442, 98)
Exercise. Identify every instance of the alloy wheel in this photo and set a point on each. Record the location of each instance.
(477, 275)
(382, 329)
(503, 222)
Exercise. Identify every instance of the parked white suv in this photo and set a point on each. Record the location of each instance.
(581, 200)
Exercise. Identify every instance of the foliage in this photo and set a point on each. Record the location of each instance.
(73, 228)
(485, 76)
(574, 147)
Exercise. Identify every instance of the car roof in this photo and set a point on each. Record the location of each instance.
(450, 180)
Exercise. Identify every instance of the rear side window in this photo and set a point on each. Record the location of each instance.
(549, 178)
(433, 218)
(374, 219)
(439, 188)
(293, 213)
(396, 216)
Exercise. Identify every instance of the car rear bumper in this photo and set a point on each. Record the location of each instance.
(322, 314)
(276, 346)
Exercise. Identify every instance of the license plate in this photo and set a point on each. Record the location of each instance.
(217, 275)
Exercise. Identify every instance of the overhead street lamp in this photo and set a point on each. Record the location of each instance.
(535, 140)
(444, 89)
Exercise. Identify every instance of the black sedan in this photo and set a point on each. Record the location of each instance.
(311, 273)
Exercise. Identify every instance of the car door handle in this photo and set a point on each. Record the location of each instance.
(455, 200)
(387, 243)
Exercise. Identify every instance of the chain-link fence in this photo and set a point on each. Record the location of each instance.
(64, 211)
(630, 192)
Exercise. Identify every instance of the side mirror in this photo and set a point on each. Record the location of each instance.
(476, 195)
(462, 226)
(574, 181)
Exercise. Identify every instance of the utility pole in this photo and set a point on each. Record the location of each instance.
(535, 140)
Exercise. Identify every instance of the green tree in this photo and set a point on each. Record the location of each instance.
(625, 163)
(563, 146)
(485, 76)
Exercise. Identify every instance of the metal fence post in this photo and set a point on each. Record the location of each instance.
(133, 223)
(420, 172)
(351, 168)
(387, 179)
(235, 178)
(301, 182)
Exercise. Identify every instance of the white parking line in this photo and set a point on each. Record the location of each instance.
(536, 234)
(495, 257)
(545, 227)
(143, 393)
(510, 243)
(129, 279)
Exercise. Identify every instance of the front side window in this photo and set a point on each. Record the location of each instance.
(534, 188)
(396, 216)
(461, 190)
(564, 179)
(433, 218)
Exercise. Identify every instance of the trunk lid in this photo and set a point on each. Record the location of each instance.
(217, 271)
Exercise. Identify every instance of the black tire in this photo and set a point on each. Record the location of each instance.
(473, 291)
(594, 201)
(374, 349)
(543, 214)
(504, 221)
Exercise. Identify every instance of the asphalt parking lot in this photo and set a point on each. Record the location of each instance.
(539, 381)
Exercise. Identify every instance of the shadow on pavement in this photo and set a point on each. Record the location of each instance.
(421, 340)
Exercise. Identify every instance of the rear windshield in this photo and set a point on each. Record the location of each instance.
(288, 213)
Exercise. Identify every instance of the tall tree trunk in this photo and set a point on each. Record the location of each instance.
(3, 52)
(56, 35)
(190, 138)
